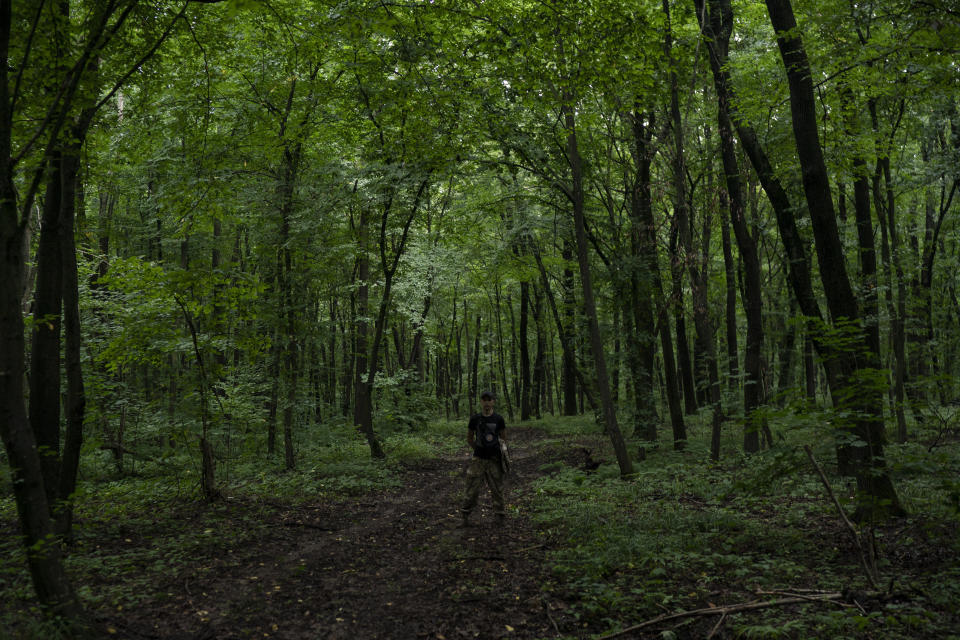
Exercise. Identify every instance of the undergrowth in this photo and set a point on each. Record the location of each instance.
(149, 521)
(684, 533)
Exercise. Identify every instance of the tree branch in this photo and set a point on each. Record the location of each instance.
(864, 560)
(722, 611)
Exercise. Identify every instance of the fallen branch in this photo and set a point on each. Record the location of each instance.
(308, 525)
(530, 548)
(868, 567)
(546, 608)
(815, 595)
(716, 627)
(723, 611)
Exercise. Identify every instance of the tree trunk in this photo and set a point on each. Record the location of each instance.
(273, 411)
(569, 362)
(685, 366)
(331, 370)
(475, 364)
(524, 352)
(717, 28)
(596, 343)
(890, 248)
(788, 346)
(707, 378)
(76, 397)
(539, 362)
(362, 416)
(500, 355)
(645, 229)
(876, 493)
(289, 167)
(33, 508)
(809, 370)
(730, 271)
(45, 359)
(388, 268)
(566, 341)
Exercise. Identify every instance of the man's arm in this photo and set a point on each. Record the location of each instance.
(471, 432)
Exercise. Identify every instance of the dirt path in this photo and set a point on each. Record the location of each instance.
(391, 565)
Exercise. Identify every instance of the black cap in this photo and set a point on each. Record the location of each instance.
(489, 394)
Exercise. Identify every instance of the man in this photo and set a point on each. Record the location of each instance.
(485, 433)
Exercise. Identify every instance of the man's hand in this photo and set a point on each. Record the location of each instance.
(471, 438)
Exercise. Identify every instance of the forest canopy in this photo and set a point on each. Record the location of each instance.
(229, 229)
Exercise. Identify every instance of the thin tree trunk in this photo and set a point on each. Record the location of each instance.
(475, 364)
(596, 343)
(730, 270)
(809, 369)
(76, 397)
(524, 352)
(500, 356)
(644, 288)
(685, 366)
(717, 27)
(539, 362)
(707, 378)
(361, 393)
(890, 253)
(566, 342)
(787, 348)
(388, 268)
(645, 227)
(569, 362)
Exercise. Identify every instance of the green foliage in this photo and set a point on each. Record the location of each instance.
(403, 404)
(684, 530)
(150, 521)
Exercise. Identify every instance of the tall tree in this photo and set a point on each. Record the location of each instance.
(717, 26)
(876, 491)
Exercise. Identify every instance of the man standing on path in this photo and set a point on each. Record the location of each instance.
(485, 433)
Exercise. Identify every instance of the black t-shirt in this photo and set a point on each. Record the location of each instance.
(493, 418)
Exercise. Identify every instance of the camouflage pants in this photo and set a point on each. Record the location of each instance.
(480, 471)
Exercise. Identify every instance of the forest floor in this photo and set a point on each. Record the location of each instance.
(392, 564)
(348, 548)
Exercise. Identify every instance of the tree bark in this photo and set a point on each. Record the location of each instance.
(717, 27)
(388, 268)
(590, 307)
(876, 493)
(569, 362)
(644, 227)
(566, 339)
(707, 378)
(45, 559)
(76, 396)
(524, 352)
(886, 214)
(500, 355)
(45, 359)
(539, 362)
(730, 272)
(289, 169)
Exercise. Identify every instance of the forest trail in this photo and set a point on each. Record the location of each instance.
(387, 565)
